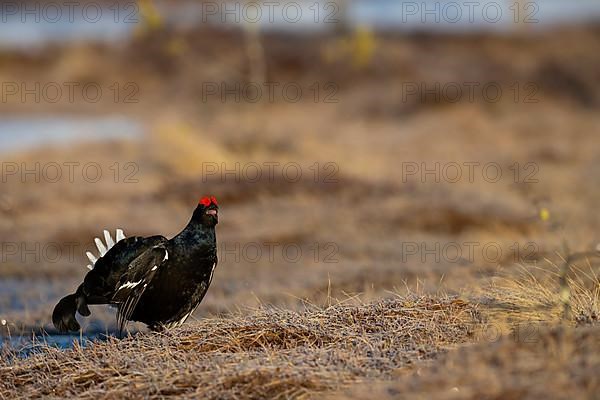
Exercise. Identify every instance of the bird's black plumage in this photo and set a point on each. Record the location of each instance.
(153, 280)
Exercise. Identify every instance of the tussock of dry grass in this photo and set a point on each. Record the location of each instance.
(552, 292)
(269, 354)
(556, 363)
(528, 347)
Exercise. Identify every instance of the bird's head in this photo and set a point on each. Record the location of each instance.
(207, 211)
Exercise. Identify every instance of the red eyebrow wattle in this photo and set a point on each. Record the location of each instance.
(205, 201)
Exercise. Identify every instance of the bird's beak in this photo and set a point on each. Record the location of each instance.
(211, 212)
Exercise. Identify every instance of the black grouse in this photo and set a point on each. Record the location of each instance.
(154, 280)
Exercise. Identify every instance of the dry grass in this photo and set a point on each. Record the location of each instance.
(552, 292)
(269, 354)
(559, 363)
(527, 346)
(400, 346)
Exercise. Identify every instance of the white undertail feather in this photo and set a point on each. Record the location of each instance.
(109, 240)
(92, 257)
(102, 248)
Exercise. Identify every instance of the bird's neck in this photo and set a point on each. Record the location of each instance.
(196, 237)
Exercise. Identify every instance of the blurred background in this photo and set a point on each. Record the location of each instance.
(355, 147)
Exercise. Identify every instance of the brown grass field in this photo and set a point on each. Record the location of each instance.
(362, 312)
